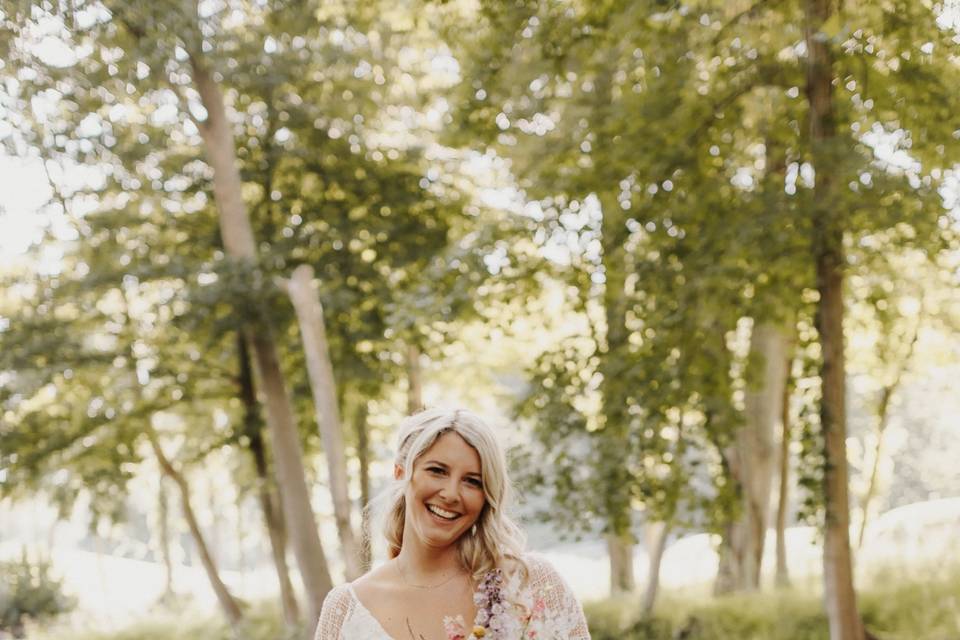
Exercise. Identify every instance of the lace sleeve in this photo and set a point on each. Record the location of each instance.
(561, 606)
(336, 609)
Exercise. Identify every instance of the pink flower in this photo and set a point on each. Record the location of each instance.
(454, 628)
(538, 607)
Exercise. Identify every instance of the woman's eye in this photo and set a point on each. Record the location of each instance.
(436, 470)
(474, 482)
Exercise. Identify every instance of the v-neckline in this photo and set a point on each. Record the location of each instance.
(369, 613)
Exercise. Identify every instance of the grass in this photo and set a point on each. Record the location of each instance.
(924, 606)
(262, 622)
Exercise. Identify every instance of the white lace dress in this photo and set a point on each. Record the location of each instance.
(557, 615)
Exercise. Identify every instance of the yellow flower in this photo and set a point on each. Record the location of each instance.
(479, 631)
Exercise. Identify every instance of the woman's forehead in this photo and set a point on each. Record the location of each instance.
(451, 448)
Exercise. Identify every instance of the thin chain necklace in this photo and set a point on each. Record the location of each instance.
(422, 586)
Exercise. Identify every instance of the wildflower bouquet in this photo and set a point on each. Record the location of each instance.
(498, 619)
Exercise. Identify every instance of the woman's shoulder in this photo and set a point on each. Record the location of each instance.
(543, 577)
(339, 598)
(530, 570)
(558, 613)
(375, 583)
(337, 607)
(538, 566)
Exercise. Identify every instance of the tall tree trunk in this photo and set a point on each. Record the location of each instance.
(227, 602)
(269, 505)
(273, 519)
(883, 413)
(619, 539)
(414, 380)
(323, 386)
(828, 228)
(363, 456)
(620, 551)
(783, 574)
(752, 454)
(238, 241)
(655, 535)
(163, 515)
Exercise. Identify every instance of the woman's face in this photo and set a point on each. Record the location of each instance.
(445, 494)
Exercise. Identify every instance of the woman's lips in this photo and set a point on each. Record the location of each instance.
(442, 518)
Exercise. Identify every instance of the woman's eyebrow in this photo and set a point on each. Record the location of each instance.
(446, 466)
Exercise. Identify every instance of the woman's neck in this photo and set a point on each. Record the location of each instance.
(422, 563)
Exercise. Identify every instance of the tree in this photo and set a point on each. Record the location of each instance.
(845, 623)
(365, 214)
(323, 386)
(270, 504)
(691, 121)
(573, 134)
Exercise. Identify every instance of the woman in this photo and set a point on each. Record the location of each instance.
(457, 570)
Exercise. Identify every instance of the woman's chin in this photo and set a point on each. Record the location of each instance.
(434, 536)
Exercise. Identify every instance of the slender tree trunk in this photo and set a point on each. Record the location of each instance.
(875, 466)
(363, 456)
(727, 565)
(163, 516)
(323, 385)
(841, 603)
(883, 413)
(620, 550)
(269, 505)
(611, 347)
(619, 540)
(783, 574)
(752, 455)
(276, 531)
(844, 618)
(239, 243)
(656, 542)
(214, 533)
(729, 576)
(229, 605)
(414, 380)
(241, 534)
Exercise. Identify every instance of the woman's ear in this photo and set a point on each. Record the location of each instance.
(397, 472)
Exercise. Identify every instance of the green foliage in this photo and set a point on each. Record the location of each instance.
(920, 605)
(29, 592)
(261, 622)
(894, 607)
(142, 315)
(669, 145)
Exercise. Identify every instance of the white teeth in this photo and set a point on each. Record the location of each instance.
(443, 513)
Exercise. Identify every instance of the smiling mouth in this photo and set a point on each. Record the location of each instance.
(449, 516)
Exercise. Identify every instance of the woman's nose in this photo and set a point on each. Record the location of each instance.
(449, 489)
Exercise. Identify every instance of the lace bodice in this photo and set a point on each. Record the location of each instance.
(560, 616)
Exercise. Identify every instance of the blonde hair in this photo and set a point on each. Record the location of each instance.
(496, 542)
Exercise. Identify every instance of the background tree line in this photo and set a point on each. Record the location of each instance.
(273, 221)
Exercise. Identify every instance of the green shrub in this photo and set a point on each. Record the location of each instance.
(29, 592)
(261, 622)
(923, 607)
(775, 616)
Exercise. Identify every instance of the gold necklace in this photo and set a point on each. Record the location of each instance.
(422, 586)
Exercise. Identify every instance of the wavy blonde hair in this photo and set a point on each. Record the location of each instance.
(496, 542)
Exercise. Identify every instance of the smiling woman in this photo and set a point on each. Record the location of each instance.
(455, 555)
